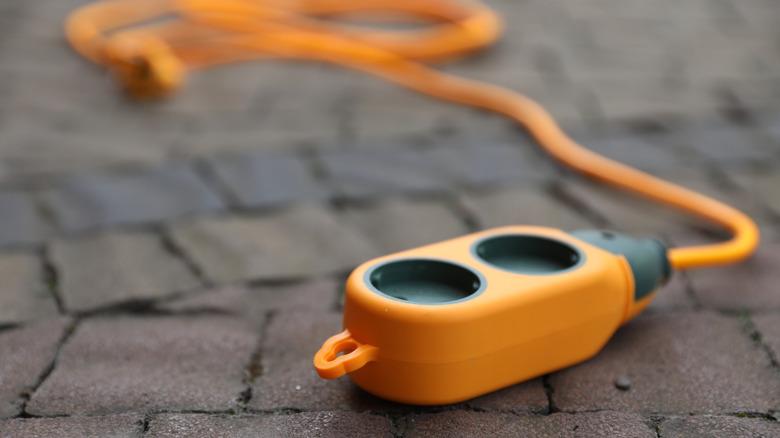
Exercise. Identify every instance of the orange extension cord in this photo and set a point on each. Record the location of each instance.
(150, 44)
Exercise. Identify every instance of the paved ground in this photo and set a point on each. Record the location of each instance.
(169, 269)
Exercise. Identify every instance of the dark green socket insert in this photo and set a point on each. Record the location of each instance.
(425, 281)
(527, 254)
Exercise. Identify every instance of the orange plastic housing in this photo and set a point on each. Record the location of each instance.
(509, 327)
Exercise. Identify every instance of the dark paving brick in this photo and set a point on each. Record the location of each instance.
(212, 133)
(728, 145)
(135, 364)
(523, 205)
(48, 141)
(108, 269)
(288, 379)
(676, 363)
(115, 426)
(301, 241)
(367, 173)
(26, 353)
(728, 193)
(523, 397)
(381, 112)
(158, 194)
(628, 213)
(673, 296)
(768, 325)
(772, 126)
(650, 153)
(20, 220)
(304, 424)
(259, 179)
(760, 187)
(488, 164)
(398, 224)
(474, 424)
(718, 427)
(230, 88)
(751, 284)
(252, 303)
(23, 292)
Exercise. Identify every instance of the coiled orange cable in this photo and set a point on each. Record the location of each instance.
(150, 44)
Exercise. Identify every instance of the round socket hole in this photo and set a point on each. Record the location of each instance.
(527, 254)
(422, 281)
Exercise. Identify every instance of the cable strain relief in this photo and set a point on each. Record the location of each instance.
(647, 257)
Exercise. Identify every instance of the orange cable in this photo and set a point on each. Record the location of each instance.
(150, 44)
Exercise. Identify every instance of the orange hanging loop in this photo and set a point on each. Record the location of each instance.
(342, 354)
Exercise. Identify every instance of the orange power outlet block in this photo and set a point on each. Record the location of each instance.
(453, 320)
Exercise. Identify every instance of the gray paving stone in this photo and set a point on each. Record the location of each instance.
(301, 241)
(253, 303)
(33, 43)
(288, 379)
(398, 224)
(27, 352)
(100, 200)
(772, 126)
(728, 145)
(731, 195)
(41, 142)
(676, 363)
(486, 164)
(114, 426)
(523, 205)
(718, 427)
(628, 97)
(367, 173)
(750, 284)
(230, 88)
(212, 133)
(137, 364)
(473, 424)
(523, 397)
(760, 187)
(673, 295)
(630, 214)
(651, 153)
(20, 221)
(259, 179)
(383, 112)
(303, 424)
(108, 269)
(768, 325)
(23, 292)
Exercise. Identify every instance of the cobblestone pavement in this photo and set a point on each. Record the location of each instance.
(169, 269)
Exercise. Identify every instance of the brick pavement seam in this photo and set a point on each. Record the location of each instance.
(403, 416)
(70, 329)
(732, 108)
(654, 423)
(558, 192)
(758, 339)
(145, 422)
(399, 424)
(317, 168)
(254, 367)
(170, 246)
(466, 215)
(549, 391)
(51, 278)
(210, 177)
